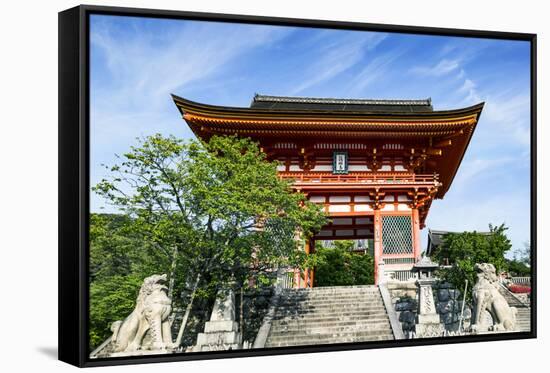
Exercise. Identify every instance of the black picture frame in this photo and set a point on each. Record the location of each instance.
(74, 181)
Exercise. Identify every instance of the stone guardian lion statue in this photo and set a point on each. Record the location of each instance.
(153, 306)
(486, 297)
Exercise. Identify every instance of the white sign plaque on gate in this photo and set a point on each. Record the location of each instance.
(340, 163)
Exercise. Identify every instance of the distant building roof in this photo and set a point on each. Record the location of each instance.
(339, 104)
(435, 239)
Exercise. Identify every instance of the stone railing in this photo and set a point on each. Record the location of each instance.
(285, 278)
(401, 275)
(396, 327)
(521, 280)
(389, 260)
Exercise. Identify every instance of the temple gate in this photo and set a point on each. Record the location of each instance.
(374, 166)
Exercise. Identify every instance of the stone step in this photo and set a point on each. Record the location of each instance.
(280, 314)
(352, 300)
(332, 298)
(326, 306)
(342, 290)
(300, 335)
(329, 302)
(318, 291)
(313, 293)
(329, 341)
(523, 319)
(343, 306)
(329, 323)
(312, 330)
(329, 337)
(337, 288)
(331, 318)
(358, 313)
(331, 308)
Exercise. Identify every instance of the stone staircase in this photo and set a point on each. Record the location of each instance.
(327, 315)
(523, 317)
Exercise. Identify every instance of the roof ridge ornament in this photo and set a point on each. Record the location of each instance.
(346, 101)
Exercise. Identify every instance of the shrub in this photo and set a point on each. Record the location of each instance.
(339, 266)
(519, 289)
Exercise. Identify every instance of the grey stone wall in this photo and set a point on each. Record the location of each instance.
(256, 304)
(449, 306)
(448, 303)
(404, 297)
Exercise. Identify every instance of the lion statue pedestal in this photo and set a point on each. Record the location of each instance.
(222, 331)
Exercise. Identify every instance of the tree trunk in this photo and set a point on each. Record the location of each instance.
(241, 313)
(173, 273)
(187, 311)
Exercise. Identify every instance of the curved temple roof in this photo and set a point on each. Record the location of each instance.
(339, 104)
(440, 137)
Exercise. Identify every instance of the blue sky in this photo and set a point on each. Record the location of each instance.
(137, 62)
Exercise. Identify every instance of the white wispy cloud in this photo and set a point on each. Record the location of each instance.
(145, 69)
(377, 68)
(508, 115)
(135, 73)
(471, 168)
(443, 67)
(336, 57)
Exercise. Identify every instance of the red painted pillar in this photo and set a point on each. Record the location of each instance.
(416, 234)
(296, 282)
(377, 242)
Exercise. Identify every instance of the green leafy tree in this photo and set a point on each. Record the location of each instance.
(339, 266)
(119, 260)
(466, 249)
(111, 298)
(518, 268)
(214, 212)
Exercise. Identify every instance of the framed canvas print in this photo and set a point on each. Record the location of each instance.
(234, 186)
